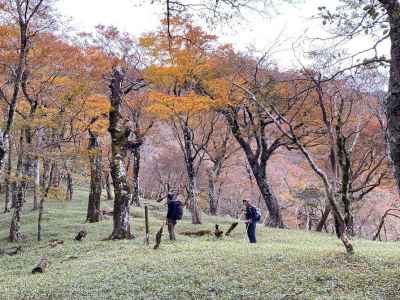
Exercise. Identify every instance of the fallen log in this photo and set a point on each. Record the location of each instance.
(158, 238)
(231, 228)
(81, 235)
(41, 265)
(197, 233)
(54, 243)
(11, 251)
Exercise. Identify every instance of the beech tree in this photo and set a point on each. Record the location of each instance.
(180, 64)
(120, 143)
(252, 129)
(22, 19)
(354, 143)
(381, 21)
(219, 150)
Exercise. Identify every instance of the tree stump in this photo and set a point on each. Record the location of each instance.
(218, 233)
(81, 235)
(158, 237)
(41, 265)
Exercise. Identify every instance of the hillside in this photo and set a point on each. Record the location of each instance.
(285, 264)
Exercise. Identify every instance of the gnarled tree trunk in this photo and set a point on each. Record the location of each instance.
(119, 138)
(258, 163)
(393, 101)
(191, 173)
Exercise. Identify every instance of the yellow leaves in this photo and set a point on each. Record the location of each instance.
(96, 105)
(165, 106)
(100, 126)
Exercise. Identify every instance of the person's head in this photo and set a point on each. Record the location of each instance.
(246, 202)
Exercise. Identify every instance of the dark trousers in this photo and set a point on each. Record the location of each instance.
(171, 229)
(251, 232)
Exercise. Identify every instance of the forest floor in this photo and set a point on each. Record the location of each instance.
(284, 264)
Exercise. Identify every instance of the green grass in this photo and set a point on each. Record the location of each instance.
(284, 264)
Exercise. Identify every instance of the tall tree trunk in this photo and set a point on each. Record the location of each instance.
(18, 196)
(41, 205)
(70, 184)
(135, 176)
(393, 100)
(93, 211)
(275, 217)
(45, 175)
(193, 205)
(258, 164)
(8, 185)
(36, 183)
(324, 218)
(23, 50)
(108, 187)
(192, 176)
(213, 195)
(56, 177)
(119, 138)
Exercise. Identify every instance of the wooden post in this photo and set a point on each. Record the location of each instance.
(146, 219)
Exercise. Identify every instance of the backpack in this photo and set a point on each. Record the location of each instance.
(178, 210)
(258, 214)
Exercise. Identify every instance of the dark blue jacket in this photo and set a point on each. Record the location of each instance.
(172, 206)
(172, 209)
(251, 214)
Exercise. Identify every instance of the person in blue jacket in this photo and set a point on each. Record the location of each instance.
(251, 220)
(174, 213)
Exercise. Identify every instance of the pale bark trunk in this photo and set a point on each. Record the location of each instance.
(213, 195)
(135, 177)
(36, 183)
(56, 177)
(45, 175)
(8, 184)
(108, 187)
(18, 196)
(191, 173)
(194, 208)
(42, 200)
(119, 137)
(23, 50)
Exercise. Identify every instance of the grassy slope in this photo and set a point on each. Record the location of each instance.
(284, 264)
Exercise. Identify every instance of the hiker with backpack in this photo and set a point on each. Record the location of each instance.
(174, 213)
(253, 216)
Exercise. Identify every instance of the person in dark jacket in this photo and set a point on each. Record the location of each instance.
(251, 220)
(172, 214)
